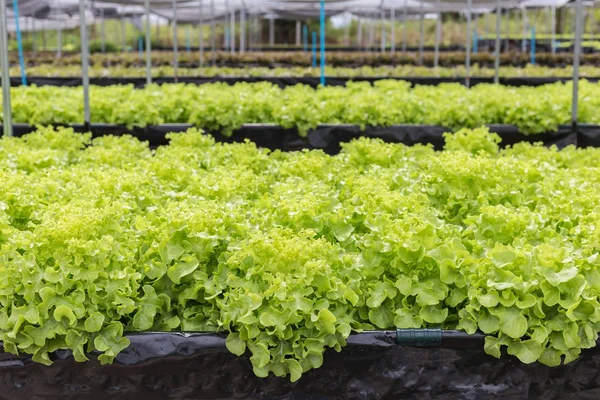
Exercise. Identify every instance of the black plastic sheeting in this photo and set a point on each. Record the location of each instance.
(372, 366)
(329, 137)
(285, 81)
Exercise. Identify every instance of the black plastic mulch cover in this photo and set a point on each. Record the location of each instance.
(329, 137)
(284, 81)
(372, 366)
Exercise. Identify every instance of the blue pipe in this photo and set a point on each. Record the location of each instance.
(533, 45)
(188, 42)
(305, 37)
(314, 49)
(322, 42)
(141, 46)
(20, 43)
(475, 42)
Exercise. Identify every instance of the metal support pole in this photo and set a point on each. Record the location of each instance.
(148, 44)
(533, 44)
(314, 49)
(507, 39)
(213, 34)
(347, 30)
(232, 30)
(271, 32)
(242, 30)
(175, 44)
(381, 19)
(371, 43)
(525, 30)
(20, 43)
(102, 31)
(359, 34)
(44, 41)
(298, 28)
(84, 64)
(305, 37)
(497, 53)
(421, 34)
(123, 34)
(393, 30)
(322, 22)
(468, 55)
(6, 105)
(59, 39)
(201, 33)
(405, 28)
(553, 32)
(34, 33)
(576, 56)
(438, 35)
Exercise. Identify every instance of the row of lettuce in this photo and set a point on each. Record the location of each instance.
(305, 58)
(385, 71)
(289, 253)
(222, 108)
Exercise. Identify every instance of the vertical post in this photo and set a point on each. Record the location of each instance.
(188, 39)
(272, 32)
(148, 44)
(102, 31)
(347, 30)
(359, 34)
(140, 47)
(298, 28)
(475, 42)
(59, 39)
(20, 43)
(576, 57)
(497, 53)
(34, 33)
(314, 49)
(242, 30)
(305, 37)
(507, 39)
(322, 23)
(468, 55)
(393, 30)
(213, 34)
(486, 32)
(553, 27)
(201, 33)
(524, 41)
(438, 36)
(533, 44)
(421, 34)
(44, 41)
(175, 44)
(381, 20)
(371, 44)
(123, 34)
(6, 105)
(405, 27)
(84, 64)
(232, 30)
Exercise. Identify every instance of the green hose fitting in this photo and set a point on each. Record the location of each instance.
(419, 337)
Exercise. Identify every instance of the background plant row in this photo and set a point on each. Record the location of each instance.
(222, 108)
(343, 72)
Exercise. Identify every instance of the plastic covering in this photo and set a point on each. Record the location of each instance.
(372, 366)
(286, 81)
(329, 137)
